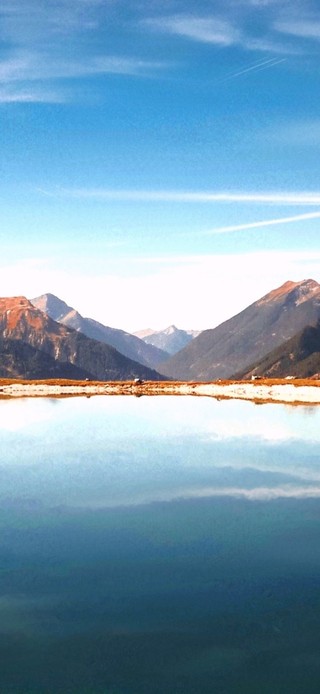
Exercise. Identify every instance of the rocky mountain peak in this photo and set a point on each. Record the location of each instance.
(18, 315)
(170, 330)
(303, 291)
(292, 291)
(12, 302)
(52, 306)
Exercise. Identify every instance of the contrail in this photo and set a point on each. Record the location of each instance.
(262, 65)
(265, 223)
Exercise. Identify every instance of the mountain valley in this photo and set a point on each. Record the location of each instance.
(129, 345)
(276, 336)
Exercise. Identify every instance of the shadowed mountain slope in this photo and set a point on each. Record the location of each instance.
(20, 320)
(247, 337)
(129, 345)
(299, 357)
(20, 360)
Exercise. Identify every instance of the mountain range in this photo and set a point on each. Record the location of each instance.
(248, 336)
(22, 322)
(297, 357)
(129, 345)
(171, 339)
(277, 335)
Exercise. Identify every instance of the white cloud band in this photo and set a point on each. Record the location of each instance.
(273, 198)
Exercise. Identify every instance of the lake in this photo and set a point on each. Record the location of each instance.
(159, 545)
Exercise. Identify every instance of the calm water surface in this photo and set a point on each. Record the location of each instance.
(166, 545)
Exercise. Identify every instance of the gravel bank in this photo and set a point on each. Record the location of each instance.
(293, 393)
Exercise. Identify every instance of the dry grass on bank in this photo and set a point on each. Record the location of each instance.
(60, 382)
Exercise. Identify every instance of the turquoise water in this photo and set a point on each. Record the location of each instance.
(162, 545)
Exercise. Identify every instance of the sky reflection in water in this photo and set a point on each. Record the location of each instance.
(117, 450)
(159, 546)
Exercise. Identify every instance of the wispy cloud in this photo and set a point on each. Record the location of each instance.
(221, 31)
(30, 68)
(30, 96)
(264, 3)
(33, 66)
(204, 29)
(263, 493)
(41, 43)
(272, 198)
(27, 21)
(54, 25)
(308, 29)
(265, 223)
(269, 45)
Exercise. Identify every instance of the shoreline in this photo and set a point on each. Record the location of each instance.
(294, 392)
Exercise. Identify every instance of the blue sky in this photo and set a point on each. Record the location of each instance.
(159, 160)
